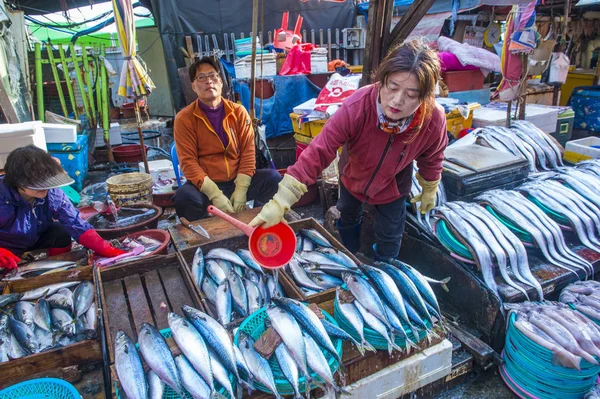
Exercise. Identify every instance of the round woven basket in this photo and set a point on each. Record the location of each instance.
(130, 189)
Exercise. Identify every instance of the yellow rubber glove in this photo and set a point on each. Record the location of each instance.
(427, 196)
(238, 198)
(289, 192)
(215, 195)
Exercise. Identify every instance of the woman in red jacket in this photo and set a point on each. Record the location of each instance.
(383, 128)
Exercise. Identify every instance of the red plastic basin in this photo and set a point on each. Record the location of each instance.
(129, 153)
(159, 235)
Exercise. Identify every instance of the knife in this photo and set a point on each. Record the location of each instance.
(195, 227)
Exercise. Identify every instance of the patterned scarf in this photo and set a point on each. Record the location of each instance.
(392, 127)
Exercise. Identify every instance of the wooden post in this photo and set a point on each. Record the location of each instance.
(410, 19)
(63, 61)
(523, 95)
(508, 109)
(253, 60)
(61, 96)
(39, 81)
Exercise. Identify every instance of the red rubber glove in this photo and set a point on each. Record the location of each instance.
(90, 239)
(8, 260)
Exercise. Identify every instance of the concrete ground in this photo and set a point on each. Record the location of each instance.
(482, 385)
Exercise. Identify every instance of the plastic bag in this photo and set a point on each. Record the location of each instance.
(298, 60)
(337, 89)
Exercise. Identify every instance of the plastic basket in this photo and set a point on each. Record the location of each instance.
(169, 393)
(557, 217)
(523, 235)
(373, 337)
(528, 370)
(254, 326)
(449, 241)
(41, 388)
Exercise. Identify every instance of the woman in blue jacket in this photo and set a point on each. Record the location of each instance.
(35, 214)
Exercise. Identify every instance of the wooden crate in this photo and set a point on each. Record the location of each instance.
(144, 291)
(79, 353)
(187, 255)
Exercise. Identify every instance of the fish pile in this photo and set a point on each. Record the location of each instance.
(572, 210)
(317, 265)
(303, 353)
(39, 268)
(585, 296)
(551, 351)
(490, 243)
(211, 365)
(592, 165)
(544, 231)
(391, 299)
(440, 199)
(233, 282)
(524, 140)
(46, 318)
(124, 217)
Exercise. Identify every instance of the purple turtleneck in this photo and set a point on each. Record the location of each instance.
(215, 117)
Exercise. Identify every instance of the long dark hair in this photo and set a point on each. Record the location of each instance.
(416, 57)
(29, 166)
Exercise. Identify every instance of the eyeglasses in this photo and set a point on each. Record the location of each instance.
(202, 77)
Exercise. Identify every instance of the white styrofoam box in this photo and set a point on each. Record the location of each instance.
(584, 146)
(305, 107)
(115, 135)
(406, 376)
(60, 133)
(243, 66)
(164, 167)
(544, 117)
(16, 135)
(318, 64)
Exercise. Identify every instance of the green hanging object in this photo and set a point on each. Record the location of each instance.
(72, 194)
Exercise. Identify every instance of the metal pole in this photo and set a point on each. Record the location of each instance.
(65, 65)
(39, 81)
(79, 78)
(98, 88)
(253, 65)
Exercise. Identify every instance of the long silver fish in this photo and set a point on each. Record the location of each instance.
(156, 387)
(41, 315)
(493, 244)
(399, 328)
(226, 254)
(288, 329)
(351, 313)
(8, 299)
(209, 287)
(260, 367)
(47, 290)
(91, 317)
(61, 301)
(300, 276)
(238, 293)
(255, 301)
(245, 255)
(25, 313)
(221, 374)
(315, 237)
(215, 336)
(192, 345)
(158, 356)
(63, 321)
(198, 267)
(24, 335)
(338, 256)
(288, 367)
(190, 379)
(36, 268)
(83, 296)
(215, 271)
(318, 363)
(368, 298)
(129, 367)
(15, 350)
(377, 325)
(223, 303)
(522, 262)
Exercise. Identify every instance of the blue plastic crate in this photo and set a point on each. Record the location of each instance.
(73, 158)
(41, 388)
(472, 96)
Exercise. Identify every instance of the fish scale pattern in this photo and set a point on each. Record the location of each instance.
(41, 388)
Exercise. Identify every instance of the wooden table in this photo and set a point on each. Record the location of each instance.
(217, 228)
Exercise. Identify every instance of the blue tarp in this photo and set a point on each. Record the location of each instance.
(290, 91)
(437, 7)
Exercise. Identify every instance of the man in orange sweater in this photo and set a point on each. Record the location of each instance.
(215, 145)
